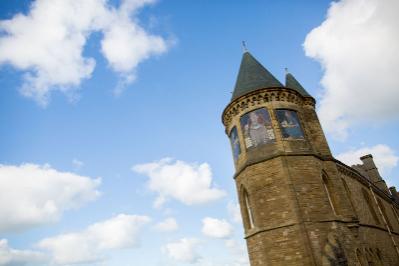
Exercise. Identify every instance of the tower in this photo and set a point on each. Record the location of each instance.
(294, 205)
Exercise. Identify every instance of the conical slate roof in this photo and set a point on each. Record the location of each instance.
(253, 76)
(292, 83)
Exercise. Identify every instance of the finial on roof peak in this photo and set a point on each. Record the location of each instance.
(286, 70)
(244, 47)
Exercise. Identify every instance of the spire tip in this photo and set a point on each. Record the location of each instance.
(244, 46)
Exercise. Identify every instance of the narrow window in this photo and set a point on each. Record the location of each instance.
(384, 213)
(327, 187)
(248, 210)
(235, 143)
(366, 197)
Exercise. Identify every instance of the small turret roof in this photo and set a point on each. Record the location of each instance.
(292, 83)
(253, 76)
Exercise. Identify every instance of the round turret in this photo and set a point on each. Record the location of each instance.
(266, 119)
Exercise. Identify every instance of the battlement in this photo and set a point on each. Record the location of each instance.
(370, 171)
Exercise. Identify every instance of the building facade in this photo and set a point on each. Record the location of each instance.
(301, 206)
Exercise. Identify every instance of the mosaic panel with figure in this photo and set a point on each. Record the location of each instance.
(289, 124)
(257, 128)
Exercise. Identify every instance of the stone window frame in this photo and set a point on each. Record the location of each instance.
(248, 215)
(299, 121)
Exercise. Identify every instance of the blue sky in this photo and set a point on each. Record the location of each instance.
(150, 117)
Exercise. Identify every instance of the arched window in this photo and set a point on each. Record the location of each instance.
(348, 192)
(366, 197)
(384, 213)
(327, 187)
(248, 215)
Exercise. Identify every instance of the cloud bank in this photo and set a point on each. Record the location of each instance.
(32, 195)
(167, 225)
(357, 47)
(10, 256)
(47, 44)
(188, 183)
(90, 245)
(183, 250)
(216, 228)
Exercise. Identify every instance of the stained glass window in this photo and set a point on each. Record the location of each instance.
(257, 128)
(235, 143)
(289, 124)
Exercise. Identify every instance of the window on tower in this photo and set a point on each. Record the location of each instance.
(289, 124)
(248, 215)
(257, 128)
(235, 143)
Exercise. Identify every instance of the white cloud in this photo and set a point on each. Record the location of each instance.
(189, 183)
(384, 157)
(183, 250)
(10, 256)
(235, 212)
(216, 228)
(32, 195)
(357, 47)
(48, 43)
(88, 246)
(167, 225)
(239, 252)
(77, 164)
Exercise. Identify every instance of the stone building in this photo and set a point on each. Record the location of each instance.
(300, 205)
